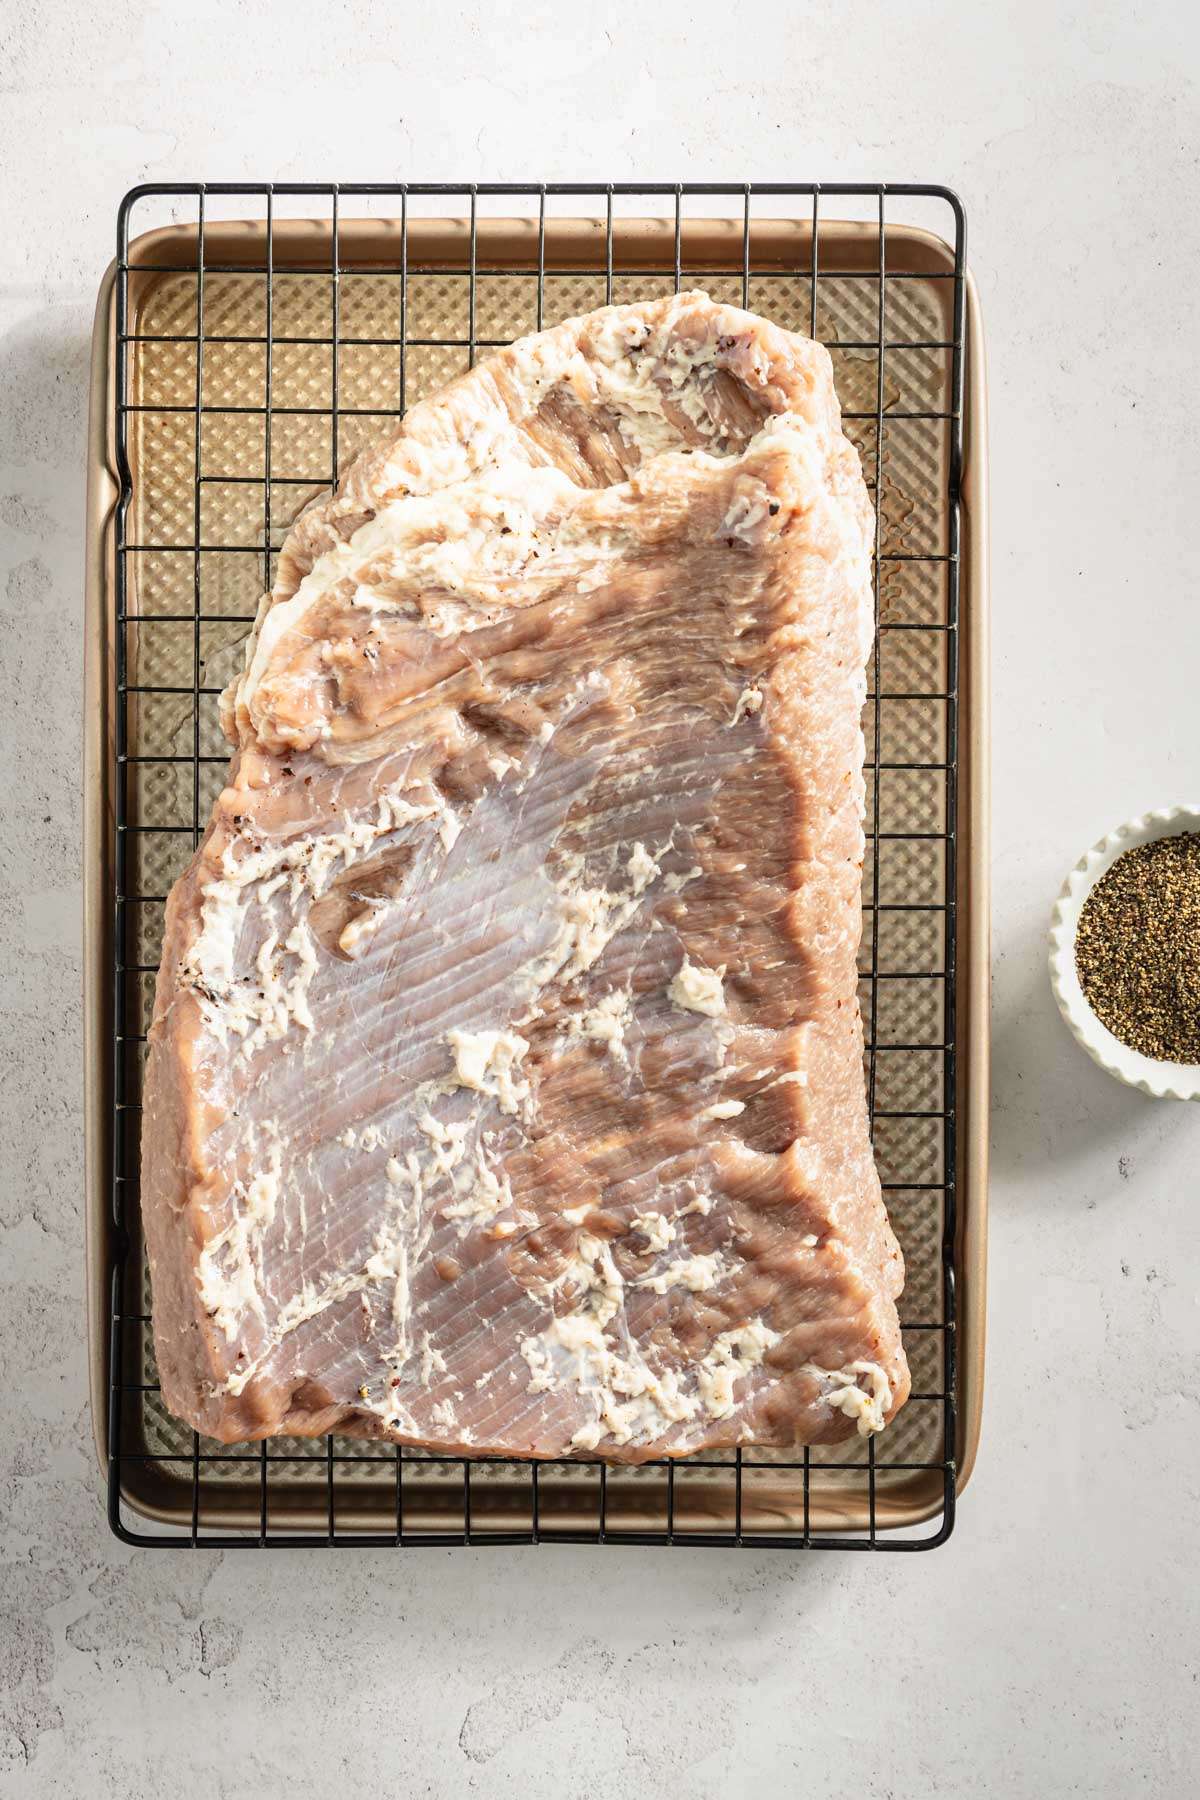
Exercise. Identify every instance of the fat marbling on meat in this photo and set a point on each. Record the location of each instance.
(505, 1081)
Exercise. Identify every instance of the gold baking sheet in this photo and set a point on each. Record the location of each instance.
(210, 502)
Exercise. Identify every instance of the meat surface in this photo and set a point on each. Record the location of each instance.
(505, 1079)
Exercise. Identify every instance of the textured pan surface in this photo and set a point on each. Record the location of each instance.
(505, 1089)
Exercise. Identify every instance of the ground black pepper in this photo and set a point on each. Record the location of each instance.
(1137, 949)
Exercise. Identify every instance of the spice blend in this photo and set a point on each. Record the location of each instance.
(1137, 949)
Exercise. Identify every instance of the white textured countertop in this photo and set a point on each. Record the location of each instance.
(1050, 1648)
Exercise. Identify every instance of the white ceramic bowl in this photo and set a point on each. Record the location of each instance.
(1163, 1080)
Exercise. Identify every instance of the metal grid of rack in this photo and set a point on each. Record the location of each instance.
(294, 1492)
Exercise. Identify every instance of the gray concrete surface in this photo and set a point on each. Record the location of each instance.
(1050, 1649)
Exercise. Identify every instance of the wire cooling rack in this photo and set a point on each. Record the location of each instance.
(250, 359)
